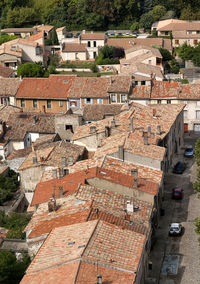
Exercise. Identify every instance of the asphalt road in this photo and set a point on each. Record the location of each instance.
(181, 211)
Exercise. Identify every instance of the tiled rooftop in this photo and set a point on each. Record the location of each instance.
(44, 190)
(166, 90)
(5, 112)
(54, 87)
(115, 204)
(125, 168)
(115, 247)
(95, 112)
(36, 36)
(89, 87)
(9, 86)
(88, 274)
(64, 244)
(22, 122)
(92, 36)
(22, 153)
(53, 155)
(120, 84)
(69, 211)
(74, 47)
(6, 71)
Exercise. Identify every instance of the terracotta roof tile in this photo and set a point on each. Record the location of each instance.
(36, 36)
(100, 111)
(6, 71)
(5, 112)
(54, 87)
(9, 86)
(93, 36)
(74, 47)
(121, 84)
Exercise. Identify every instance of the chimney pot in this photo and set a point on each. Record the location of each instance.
(34, 160)
(121, 152)
(60, 191)
(145, 140)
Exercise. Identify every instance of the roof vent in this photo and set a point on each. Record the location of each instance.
(71, 243)
(65, 81)
(92, 129)
(81, 246)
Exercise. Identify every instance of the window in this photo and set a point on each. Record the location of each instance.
(95, 44)
(185, 102)
(198, 114)
(113, 98)
(94, 54)
(176, 41)
(76, 55)
(150, 62)
(88, 101)
(166, 33)
(22, 103)
(142, 83)
(136, 83)
(60, 103)
(48, 103)
(168, 101)
(100, 101)
(198, 103)
(123, 98)
(73, 103)
(185, 113)
(159, 102)
(35, 104)
(69, 127)
(88, 44)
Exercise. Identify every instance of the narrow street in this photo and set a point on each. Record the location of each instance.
(184, 248)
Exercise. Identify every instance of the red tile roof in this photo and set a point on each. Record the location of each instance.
(74, 47)
(36, 36)
(6, 71)
(44, 190)
(54, 87)
(93, 36)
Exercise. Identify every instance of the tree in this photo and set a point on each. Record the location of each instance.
(135, 26)
(30, 70)
(158, 12)
(6, 38)
(54, 38)
(147, 20)
(11, 269)
(165, 54)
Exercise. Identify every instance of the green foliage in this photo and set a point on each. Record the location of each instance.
(108, 55)
(54, 38)
(196, 184)
(187, 52)
(6, 38)
(15, 223)
(94, 68)
(135, 26)
(11, 269)
(158, 12)
(174, 66)
(147, 20)
(30, 70)
(165, 54)
(8, 186)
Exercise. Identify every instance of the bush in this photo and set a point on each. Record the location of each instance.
(94, 68)
(8, 186)
(165, 54)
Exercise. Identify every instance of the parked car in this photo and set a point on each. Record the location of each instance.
(177, 193)
(189, 152)
(179, 168)
(175, 229)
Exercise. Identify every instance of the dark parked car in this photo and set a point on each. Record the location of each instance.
(177, 193)
(175, 229)
(179, 168)
(189, 152)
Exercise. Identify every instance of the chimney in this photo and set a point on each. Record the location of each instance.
(60, 191)
(60, 173)
(154, 112)
(121, 152)
(134, 174)
(92, 129)
(131, 124)
(70, 160)
(99, 279)
(52, 205)
(113, 123)
(107, 131)
(158, 129)
(34, 160)
(34, 119)
(54, 173)
(145, 140)
(63, 161)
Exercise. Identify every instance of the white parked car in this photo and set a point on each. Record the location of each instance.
(175, 229)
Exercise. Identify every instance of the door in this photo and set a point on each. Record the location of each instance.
(196, 127)
(185, 127)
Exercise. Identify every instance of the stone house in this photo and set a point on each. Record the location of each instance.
(172, 93)
(94, 42)
(21, 32)
(74, 51)
(10, 56)
(8, 90)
